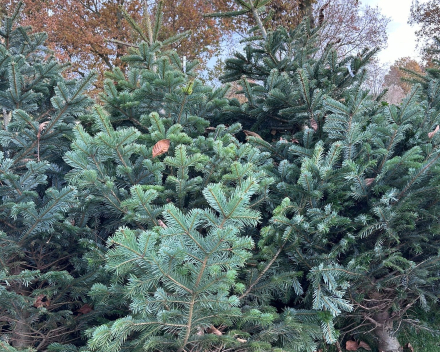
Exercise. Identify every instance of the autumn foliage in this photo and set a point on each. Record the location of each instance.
(87, 33)
(399, 73)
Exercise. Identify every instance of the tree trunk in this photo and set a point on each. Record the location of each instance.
(387, 340)
(20, 336)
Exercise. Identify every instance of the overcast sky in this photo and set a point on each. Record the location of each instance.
(401, 37)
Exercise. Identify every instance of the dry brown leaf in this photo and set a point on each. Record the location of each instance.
(321, 14)
(431, 134)
(364, 345)
(351, 345)
(213, 330)
(252, 134)
(321, 17)
(161, 147)
(314, 124)
(369, 181)
(85, 309)
(162, 224)
(41, 301)
(41, 128)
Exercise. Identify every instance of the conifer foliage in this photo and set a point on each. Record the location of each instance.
(284, 75)
(183, 199)
(42, 279)
(134, 225)
(357, 190)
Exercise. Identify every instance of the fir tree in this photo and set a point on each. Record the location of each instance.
(284, 75)
(157, 107)
(43, 280)
(358, 224)
(151, 175)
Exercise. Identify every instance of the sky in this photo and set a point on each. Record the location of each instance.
(401, 37)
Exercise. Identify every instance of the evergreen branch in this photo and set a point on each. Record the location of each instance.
(44, 212)
(176, 38)
(218, 203)
(266, 268)
(138, 190)
(133, 24)
(304, 82)
(410, 98)
(227, 14)
(191, 306)
(110, 40)
(15, 84)
(182, 105)
(157, 23)
(258, 19)
(244, 4)
(385, 158)
(104, 122)
(421, 172)
(54, 120)
(185, 229)
(17, 10)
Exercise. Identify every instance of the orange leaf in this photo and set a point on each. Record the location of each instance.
(351, 345)
(252, 134)
(161, 147)
(431, 134)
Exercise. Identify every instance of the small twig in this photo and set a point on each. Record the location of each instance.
(376, 323)
(338, 346)
(258, 20)
(121, 42)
